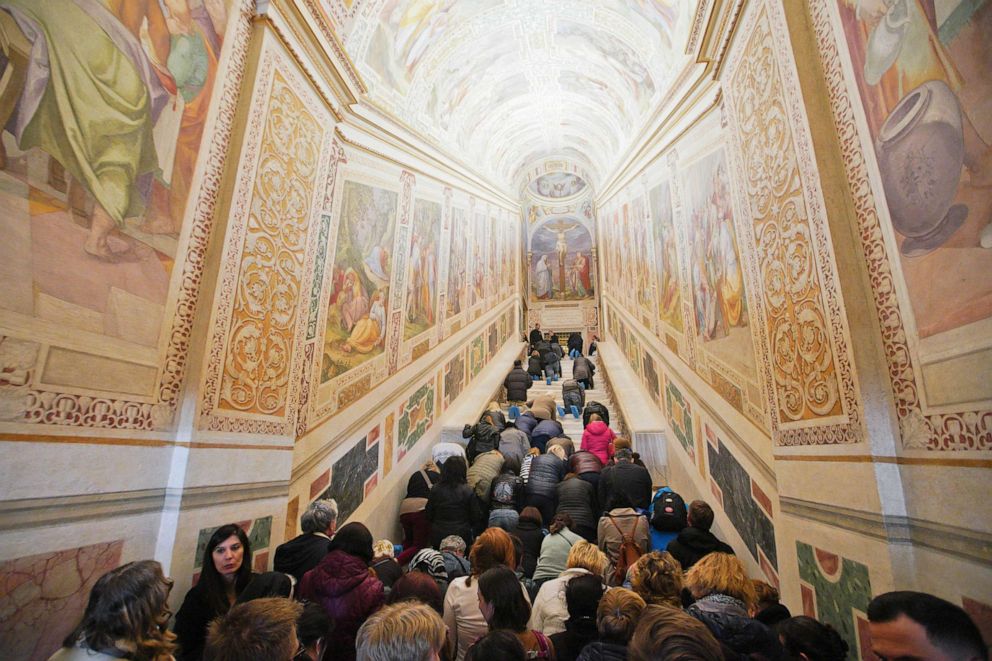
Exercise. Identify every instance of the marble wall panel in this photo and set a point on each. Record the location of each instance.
(355, 475)
(679, 414)
(747, 507)
(415, 417)
(42, 597)
(836, 591)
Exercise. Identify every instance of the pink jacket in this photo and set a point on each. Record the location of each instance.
(598, 439)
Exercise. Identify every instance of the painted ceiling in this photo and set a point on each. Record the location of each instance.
(504, 84)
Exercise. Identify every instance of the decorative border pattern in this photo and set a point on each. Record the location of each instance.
(966, 430)
(806, 354)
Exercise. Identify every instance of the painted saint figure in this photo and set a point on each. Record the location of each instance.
(542, 279)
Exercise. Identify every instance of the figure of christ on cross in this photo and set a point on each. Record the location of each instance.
(561, 228)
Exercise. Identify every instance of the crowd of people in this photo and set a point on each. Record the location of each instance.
(516, 545)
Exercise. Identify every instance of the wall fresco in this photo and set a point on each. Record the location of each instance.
(458, 263)
(454, 378)
(666, 265)
(561, 261)
(357, 307)
(422, 277)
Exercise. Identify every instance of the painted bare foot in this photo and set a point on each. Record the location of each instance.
(158, 225)
(96, 243)
(98, 247)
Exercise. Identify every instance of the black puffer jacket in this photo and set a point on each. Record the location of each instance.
(535, 367)
(484, 437)
(694, 543)
(728, 621)
(546, 471)
(499, 419)
(584, 461)
(633, 480)
(517, 383)
(577, 498)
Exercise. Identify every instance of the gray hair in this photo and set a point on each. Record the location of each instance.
(320, 515)
(452, 543)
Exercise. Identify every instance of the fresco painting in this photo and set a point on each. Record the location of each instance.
(561, 254)
(357, 307)
(415, 417)
(666, 266)
(477, 356)
(425, 244)
(639, 247)
(835, 591)
(477, 259)
(91, 226)
(458, 263)
(354, 475)
(557, 184)
(921, 69)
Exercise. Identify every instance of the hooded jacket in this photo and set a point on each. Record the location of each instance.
(513, 443)
(349, 591)
(301, 554)
(526, 423)
(517, 383)
(483, 438)
(694, 543)
(598, 439)
(544, 432)
(728, 621)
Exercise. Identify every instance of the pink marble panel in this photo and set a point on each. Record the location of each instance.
(42, 597)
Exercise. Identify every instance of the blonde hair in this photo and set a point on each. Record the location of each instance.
(558, 451)
(657, 577)
(383, 548)
(617, 615)
(405, 630)
(720, 573)
(587, 556)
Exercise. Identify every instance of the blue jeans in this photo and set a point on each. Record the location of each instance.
(504, 518)
(574, 353)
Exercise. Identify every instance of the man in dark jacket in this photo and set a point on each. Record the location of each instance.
(536, 335)
(517, 383)
(696, 540)
(583, 371)
(627, 477)
(301, 554)
(577, 498)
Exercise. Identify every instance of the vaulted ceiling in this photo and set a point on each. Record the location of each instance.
(505, 84)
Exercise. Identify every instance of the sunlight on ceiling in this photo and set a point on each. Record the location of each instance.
(504, 84)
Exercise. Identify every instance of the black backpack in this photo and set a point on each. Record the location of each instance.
(595, 407)
(669, 512)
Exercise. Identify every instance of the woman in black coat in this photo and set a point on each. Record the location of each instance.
(530, 530)
(534, 365)
(452, 505)
(575, 344)
(226, 572)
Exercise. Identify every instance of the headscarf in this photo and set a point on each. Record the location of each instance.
(430, 562)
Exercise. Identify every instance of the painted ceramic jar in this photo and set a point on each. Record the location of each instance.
(920, 152)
